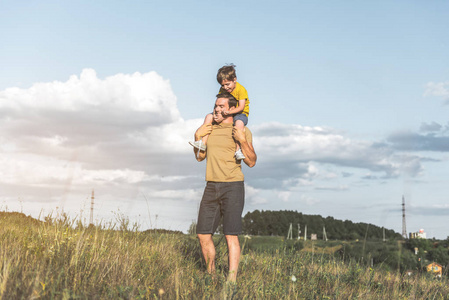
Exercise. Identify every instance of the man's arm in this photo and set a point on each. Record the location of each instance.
(200, 132)
(247, 147)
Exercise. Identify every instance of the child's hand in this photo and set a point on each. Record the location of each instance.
(226, 112)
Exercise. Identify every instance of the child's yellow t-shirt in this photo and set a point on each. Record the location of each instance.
(240, 93)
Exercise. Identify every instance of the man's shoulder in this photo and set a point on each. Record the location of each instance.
(226, 128)
(249, 135)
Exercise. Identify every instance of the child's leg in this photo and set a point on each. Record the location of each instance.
(239, 125)
(207, 120)
(240, 122)
(200, 144)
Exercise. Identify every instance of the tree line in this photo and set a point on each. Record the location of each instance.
(277, 223)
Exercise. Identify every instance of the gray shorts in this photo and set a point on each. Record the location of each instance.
(222, 199)
(241, 117)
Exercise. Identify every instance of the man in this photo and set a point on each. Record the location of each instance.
(224, 194)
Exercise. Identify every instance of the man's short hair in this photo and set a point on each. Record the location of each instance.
(232, 102)
(226, 73)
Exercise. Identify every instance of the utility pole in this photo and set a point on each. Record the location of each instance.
(290, 232)
(305, 233)
(299, 231)
(404, 229)
(91, 220)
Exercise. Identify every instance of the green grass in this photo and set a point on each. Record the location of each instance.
(58, 260)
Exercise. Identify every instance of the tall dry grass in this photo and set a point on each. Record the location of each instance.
(58, 259)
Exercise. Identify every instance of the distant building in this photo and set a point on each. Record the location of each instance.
(435, 269)
(418, 235)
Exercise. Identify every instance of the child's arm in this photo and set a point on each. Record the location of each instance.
(236, 110)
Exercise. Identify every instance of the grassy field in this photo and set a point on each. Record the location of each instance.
(57, 259)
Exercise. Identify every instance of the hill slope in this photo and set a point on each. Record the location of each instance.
(53, 260)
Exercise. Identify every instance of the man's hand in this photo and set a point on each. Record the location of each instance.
(239, 135)
(204, 129)
(247, 148)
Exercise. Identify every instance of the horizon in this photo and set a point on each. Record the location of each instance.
(79, 218)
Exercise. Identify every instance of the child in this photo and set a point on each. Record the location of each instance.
(227, 78)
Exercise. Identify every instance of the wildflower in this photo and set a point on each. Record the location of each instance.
(161, 292)
(293, 278)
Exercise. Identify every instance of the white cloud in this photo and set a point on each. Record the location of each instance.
(284, 196)
(440, 89)
(333, 188)
(28, 169)
(86, 112)
(253, 195)
(309, 200)
(122, 130)
(299, 151)
(186, 195)
(146, 92)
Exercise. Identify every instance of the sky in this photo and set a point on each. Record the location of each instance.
(348, 107)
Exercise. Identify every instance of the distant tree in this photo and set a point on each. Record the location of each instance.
(192, 228)
(421, 244)
(439, 255)
(408, 261)
(278, 223)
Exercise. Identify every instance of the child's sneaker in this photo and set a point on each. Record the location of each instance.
(239, 155)
(198, 145)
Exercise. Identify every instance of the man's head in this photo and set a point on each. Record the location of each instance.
(227, 78)
(224, 102)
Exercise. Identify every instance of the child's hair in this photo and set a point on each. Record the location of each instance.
(226, 73)
(232, 102)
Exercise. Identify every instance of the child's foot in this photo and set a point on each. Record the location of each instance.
(239, 155)
(198, 145)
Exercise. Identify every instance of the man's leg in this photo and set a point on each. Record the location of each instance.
(232, 206)
(208, 249)
(208, 220)
(234, 256)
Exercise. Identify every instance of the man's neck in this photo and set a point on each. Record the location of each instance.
(228, 120)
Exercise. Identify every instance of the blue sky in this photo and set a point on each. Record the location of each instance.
(349, 104)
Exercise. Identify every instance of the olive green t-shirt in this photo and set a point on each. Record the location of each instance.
(221, 164)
